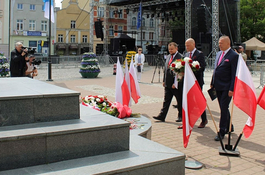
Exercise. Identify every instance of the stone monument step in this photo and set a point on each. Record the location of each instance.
(25, 100)
(144, 157)
(93, 134)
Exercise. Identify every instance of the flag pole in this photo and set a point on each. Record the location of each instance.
(49, 42)
(238, 141)
(219, 135)
(228, 146)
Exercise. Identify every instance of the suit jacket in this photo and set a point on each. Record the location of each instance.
(224, 74)
(198, 56)
(169, 76)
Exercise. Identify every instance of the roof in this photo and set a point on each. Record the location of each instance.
(254, 44)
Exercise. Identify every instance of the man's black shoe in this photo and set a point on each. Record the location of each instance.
(232, 130)
(217, 138)
(179, 120)
(175, 106)
(157, 118)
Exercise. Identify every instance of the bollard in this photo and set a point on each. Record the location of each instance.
(114, 68)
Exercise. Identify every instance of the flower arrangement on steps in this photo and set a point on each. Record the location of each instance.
(89, 66)
(129, 56)
(4, 66)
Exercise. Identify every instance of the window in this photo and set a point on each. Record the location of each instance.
(32, 43)
(32, 7)
(84, 38)
(72, 24)
(72, 38)
(42, 7)
(111, 13)
(19, 24)
(143, 22)
(134, 21)
(120, 28)
(120, 14)
(111, 32)
(100, 11)
(19, 6)
(162, 31)
(60, 38)
(151, 35)
(32, 25)
(143, 35)
(44, 25)
(152, 23)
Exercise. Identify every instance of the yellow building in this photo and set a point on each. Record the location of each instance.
(72, 31)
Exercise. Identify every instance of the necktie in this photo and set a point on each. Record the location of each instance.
(171, 59)
(190, 54)
(221, 57)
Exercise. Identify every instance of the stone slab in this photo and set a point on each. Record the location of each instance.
(93, 134)
(25, 100)
(144, 157)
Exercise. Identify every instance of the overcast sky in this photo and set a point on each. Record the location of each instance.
(58, 3)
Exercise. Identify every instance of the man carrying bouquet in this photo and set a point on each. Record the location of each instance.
(197, 55)
(168, 83)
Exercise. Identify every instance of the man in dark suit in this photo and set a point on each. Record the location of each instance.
(223, 81)
(168, 81)
(197, 55)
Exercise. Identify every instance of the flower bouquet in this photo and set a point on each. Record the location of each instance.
(178, 66)
(4, 66)
(89, 66)
(101, 103)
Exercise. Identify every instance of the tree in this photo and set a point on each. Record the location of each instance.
(252, 19)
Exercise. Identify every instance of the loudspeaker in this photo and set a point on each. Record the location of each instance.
(202, 19)
(98, 29)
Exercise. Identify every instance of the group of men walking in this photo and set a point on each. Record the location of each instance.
(222, 81)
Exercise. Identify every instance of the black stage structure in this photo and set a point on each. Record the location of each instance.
(201, 19)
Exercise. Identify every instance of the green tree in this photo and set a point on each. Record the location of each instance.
(252, 19)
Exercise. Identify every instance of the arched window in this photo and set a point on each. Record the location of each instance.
(143, 22)
(134, 21)
(151, 22)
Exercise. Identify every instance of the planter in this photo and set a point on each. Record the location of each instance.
(89, 74)
(89, 66)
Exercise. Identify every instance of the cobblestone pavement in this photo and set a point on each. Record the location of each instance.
(202, 146)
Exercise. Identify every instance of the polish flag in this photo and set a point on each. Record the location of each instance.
(261, 100)
(193, 103)
(127, 78)
(244, 95)
(122, 92)
(134, 86)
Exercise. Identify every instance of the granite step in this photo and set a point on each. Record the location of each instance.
(144, 157)
(95, 133)
(25, 100)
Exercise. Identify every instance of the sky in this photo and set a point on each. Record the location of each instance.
(58, 3)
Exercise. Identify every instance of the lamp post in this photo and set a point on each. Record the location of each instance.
(49, 43)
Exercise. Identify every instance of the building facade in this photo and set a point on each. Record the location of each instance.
(4, 27)
(28, 25)
(72, 32)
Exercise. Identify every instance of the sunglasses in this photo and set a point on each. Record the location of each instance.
(139, 50)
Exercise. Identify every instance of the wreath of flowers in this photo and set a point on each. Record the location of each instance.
(100, 103)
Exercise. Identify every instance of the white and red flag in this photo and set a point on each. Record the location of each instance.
(193, 103)
(122, 92)
(127, 79)
(134, 86)
(244, 95)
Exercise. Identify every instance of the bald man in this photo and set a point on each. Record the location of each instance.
(223, 80)
(197, 55)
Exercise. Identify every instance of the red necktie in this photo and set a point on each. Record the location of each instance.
(221, 57)
(190, 54)
(170, 60)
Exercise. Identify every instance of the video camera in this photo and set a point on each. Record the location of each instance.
(34, 62)
(30, 50)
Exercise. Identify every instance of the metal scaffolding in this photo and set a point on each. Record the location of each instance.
(187, 19)
(215, 29)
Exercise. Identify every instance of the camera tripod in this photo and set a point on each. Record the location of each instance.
(160, 62)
